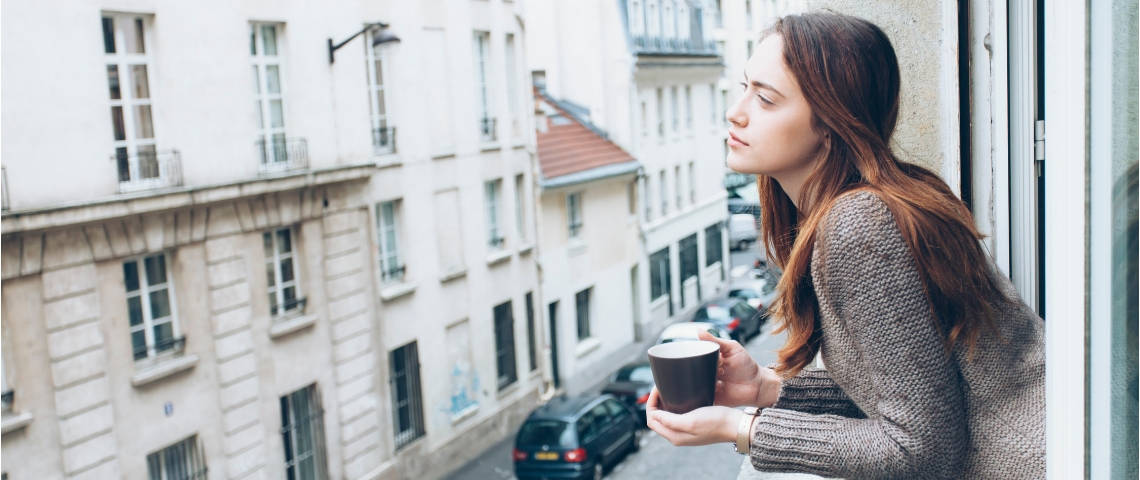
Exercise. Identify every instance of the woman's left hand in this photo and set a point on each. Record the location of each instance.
(703, 426)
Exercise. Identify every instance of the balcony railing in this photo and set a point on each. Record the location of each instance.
(8, 397)
(487, 130)
(147, 169)
(393, 274)
(175, 344)
(282, 154)
(496, 241)
(384, 140)
(674, 46)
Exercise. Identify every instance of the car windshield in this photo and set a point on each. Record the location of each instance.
(637, 373)
(546, 432)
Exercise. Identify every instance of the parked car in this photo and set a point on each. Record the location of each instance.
(734, 315)
(758, 294)
(631, 384)
(741, 230)
(575, 438)
(687, 331)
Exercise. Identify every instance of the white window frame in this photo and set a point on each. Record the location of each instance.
(378, 83)
(662, 193)
(483, 97)
(127, 104)
(392, 268)
(148, 324)
(520, 208)
(692, 183)
(272, 142)
(314, 418)
(512, 72)
(688, 107)
(661, 113)
(188, 451)
(492, 199)
(277, 290)
(574, 214)
(675, 111)
(677, 189)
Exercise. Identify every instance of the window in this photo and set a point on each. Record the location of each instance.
(582, 303)
(636, 23)
(505, 345)
(574, 213)
(661, 113)
(748, 17)
(383, 134)
(182, 461)
(659, 275)
(281, 272)
(713, 246)
(268, 89)
(512, 87)
(303, 434)
(150, 307)
(688, 260)
(125, 42)
(520, 207)
(750, 49)
(674, 110)
(530, 338)
(482, 89)
(688, 107)
(677, 186)
(645, 201)
(407, 408)
(692, 183)
(661, 192)
(491, 192)
(644, 119)
(392, 268)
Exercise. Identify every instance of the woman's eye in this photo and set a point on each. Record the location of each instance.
(765, 100)
(743, 86)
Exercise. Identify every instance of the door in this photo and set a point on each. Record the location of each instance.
(553, 316)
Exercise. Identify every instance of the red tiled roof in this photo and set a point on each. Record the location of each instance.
(572, 147)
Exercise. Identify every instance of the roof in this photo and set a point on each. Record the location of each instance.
(572, 150)
(564, 408)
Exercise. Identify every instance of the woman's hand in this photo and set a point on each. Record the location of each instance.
(703, 426)
(740, 381)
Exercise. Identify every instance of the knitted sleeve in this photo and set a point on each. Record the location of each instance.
(870, 293)
(813, 391)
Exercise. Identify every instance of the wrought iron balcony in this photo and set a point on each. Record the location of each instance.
(175, 344)
(497, 241)
(384, 140)
(394, 273)
(673, 46)
(146, 169)
(487, 129)
(282, 154)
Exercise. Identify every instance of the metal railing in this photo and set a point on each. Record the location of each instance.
(394, 273)
(175, 344)
(487, 129)
(8, 397)
(282, 154)
(384, 140)
(676, 46)
(496, 241)
(288, 307)
(147, 169)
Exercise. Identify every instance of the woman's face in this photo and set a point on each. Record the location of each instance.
(771, 124)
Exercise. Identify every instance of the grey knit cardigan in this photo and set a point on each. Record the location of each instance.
(892, 402)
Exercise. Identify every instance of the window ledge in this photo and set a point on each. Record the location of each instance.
(397, 290)
(164, 368)
(587, 346)
(508, 390)
(497, 257)
(390, 159)
(465, 414)
(443, 155)
(490, 147)
(285, 326)
(525, 249)
(575, 247)
(452, 275)
(16, 421)
(521, 143)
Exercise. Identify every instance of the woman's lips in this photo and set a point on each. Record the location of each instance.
(735, 141)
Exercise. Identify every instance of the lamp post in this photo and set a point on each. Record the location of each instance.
(381, 37)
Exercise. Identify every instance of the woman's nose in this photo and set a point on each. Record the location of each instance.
(735, 115)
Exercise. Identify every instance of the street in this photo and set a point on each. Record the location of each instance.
(658, 458)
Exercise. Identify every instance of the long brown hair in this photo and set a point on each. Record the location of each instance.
(849, 75)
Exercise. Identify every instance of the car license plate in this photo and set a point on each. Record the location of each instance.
(546, 456)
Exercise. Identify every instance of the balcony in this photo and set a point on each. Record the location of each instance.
(488, 132)
(281, 154)
(384, 140)
(147, 169)
(656, 45)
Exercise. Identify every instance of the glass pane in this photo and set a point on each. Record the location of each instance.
(163, 336)
(272, 79)
(148, 162)
(260, 118)
(138, 344)
(139, 84)
(134, 310)
(133, 33)
(143, 126)
(287, 270)
(272, 303)
(113, 81)
(253, 41)
(160, 304)
(290, 298)
(117, 123)
(131, 276)
(108, 35)
(124, 165)
(155, 270)
(269, 275)
(256, 79)
(284, 241)
(268, 40)
(154, 466)
(267, 243)
(278, 141)
(276, 114)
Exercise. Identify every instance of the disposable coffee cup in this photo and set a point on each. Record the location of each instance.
(685, 374)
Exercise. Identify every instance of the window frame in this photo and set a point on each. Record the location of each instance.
(392, 267)
(314, 419)
(277, 290)
(492, 203)
(189, 450)
(506, 360)
(484, 103)
(147, 325)
(130, 148)
(582, 315)
(574, 215)
(378, 84)
(404, 435)
(267, 134)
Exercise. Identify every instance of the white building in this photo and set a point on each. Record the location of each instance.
(224, 250)
(646, 73)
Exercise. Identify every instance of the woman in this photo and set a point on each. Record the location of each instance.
(935, 368)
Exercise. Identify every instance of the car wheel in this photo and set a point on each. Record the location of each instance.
(598, 470)
(635, 445)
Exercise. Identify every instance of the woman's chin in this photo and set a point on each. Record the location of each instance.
(739, 164)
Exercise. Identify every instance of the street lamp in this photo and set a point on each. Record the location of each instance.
(381, 37)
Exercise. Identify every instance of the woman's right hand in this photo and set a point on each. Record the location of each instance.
(740, 381)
